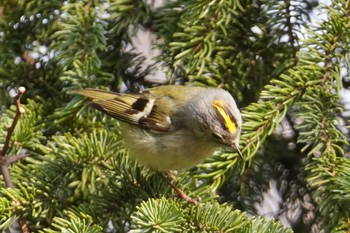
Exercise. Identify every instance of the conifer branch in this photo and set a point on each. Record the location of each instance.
(291, 34)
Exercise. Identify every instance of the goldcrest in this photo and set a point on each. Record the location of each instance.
(172, 127)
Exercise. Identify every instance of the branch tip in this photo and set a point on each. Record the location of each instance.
(22, 89)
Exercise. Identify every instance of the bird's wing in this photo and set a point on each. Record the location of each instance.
(140, 109)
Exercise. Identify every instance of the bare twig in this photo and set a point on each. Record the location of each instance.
(15, 158)
(6, 174)
(5, 161)
(10, 130)
(24, 226)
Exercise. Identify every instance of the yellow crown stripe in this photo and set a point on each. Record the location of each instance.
(229, 123)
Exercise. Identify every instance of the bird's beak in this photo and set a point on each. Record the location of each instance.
(236, 148)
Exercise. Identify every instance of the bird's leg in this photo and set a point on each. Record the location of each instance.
(172, 175)
(179, 192)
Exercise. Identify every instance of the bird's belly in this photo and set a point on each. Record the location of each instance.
(173, 151)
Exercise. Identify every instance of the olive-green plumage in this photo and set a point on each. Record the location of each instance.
(172, 127)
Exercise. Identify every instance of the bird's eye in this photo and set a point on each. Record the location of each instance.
(216, 136)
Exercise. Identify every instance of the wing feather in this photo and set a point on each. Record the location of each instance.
(139, 109)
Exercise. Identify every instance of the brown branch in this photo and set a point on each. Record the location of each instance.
(6, 174)
(24, 226)
(5, 161)
(12, 127)
(15, 158)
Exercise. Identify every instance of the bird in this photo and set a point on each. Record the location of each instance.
(172, 127)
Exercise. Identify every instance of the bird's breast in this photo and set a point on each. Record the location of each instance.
(175, 150)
